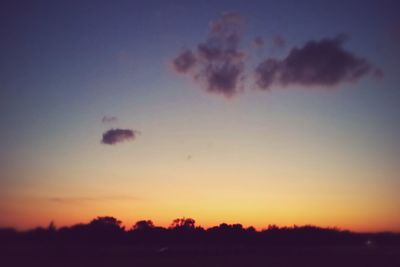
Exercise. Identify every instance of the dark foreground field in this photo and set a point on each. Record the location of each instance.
(104, 242)
(200, 256)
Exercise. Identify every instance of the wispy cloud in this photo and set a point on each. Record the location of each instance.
(80, 200)
(109, 119)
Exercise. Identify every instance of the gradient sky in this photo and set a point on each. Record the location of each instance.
(323, 155)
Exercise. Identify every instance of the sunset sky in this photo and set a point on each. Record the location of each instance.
(252, 112)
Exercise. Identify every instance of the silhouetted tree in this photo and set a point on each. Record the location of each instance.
(183, 223)
(143, 225)
(251, 229)
(106, 229)
(51, 227)
(106, 221)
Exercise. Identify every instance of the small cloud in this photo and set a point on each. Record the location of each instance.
(218, 63)
(114, 136)
(109, 119)
(318, 63)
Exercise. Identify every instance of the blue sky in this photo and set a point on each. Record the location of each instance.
(66, 64)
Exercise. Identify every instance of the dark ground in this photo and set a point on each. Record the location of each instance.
(273, 256)
(104, 242)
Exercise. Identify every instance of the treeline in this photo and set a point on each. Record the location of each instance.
(183, 231)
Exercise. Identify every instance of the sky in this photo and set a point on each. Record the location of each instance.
(252, 112)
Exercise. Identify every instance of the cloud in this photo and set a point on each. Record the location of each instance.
(77, 200)
(184, 61)
(109, 119)
(218, 63)
(114, 136)
(322, 63)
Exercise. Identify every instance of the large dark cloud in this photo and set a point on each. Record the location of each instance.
(217, 63)
(322, 63)
(114, 136)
